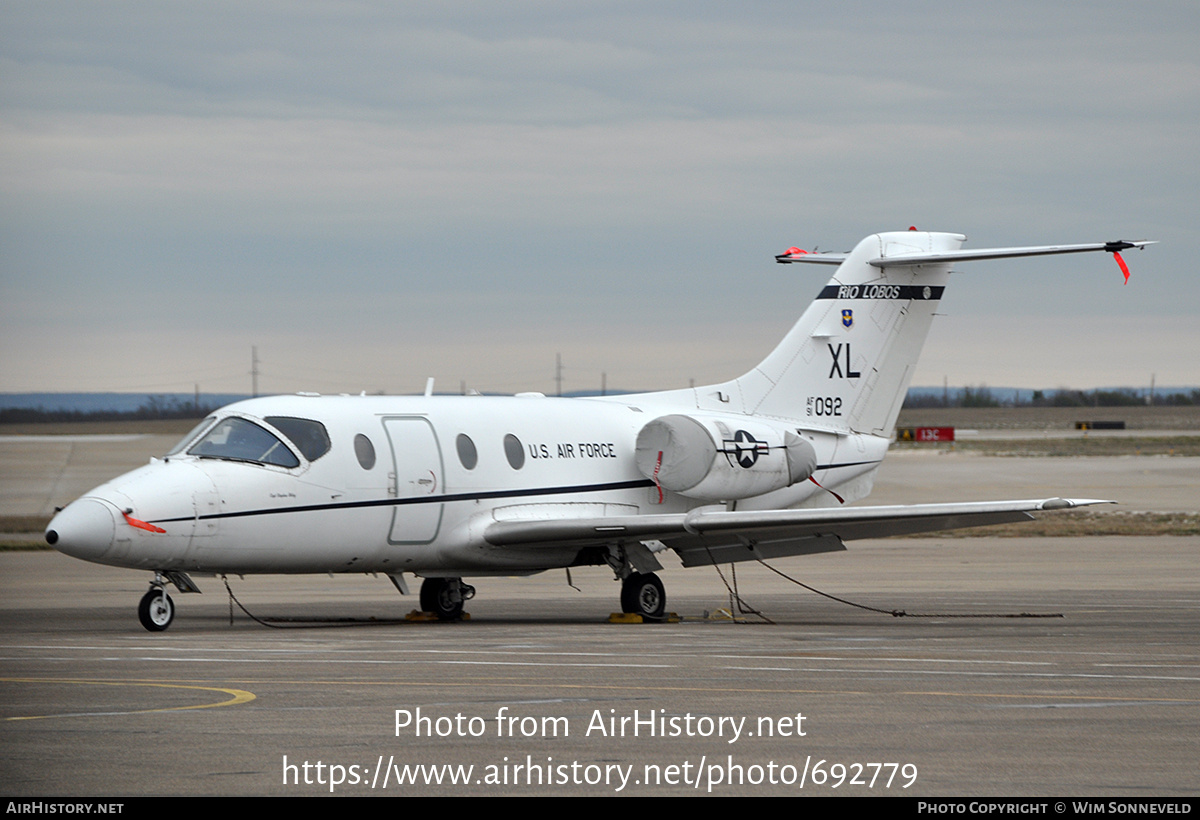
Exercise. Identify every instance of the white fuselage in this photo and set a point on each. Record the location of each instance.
(422, 503)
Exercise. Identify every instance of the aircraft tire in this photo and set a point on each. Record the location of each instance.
(643, 595)
(156, 610)
(437, 596)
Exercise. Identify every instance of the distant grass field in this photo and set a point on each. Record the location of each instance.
(1051, 418)
(129, 427)
(25, 525)
(11, 544)
(1083, 523)
(983, 418)
(1095, 444)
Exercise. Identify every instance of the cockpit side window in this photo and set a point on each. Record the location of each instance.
(237, 439)
(191, 436)
(309, 436)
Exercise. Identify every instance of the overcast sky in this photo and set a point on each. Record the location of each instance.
(375, 193)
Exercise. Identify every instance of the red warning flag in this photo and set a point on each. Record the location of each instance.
(657, 467)
(826, 489)
(1121, 264)
(141, 525)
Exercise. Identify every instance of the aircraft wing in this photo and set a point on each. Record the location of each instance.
(716, 536)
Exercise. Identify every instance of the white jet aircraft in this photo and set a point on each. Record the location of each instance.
(447, 487)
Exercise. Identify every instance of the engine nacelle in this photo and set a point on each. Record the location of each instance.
(722, 459)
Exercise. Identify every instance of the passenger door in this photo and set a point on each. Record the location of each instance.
(416, 480)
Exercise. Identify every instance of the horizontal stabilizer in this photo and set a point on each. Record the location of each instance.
(1003, 253)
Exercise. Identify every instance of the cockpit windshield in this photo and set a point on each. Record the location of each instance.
(191, 436)
(309, 436)
(237, 439)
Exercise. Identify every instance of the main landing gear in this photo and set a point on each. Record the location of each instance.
(641, 591)
(643, 594)
(444, 597)
(156, 610)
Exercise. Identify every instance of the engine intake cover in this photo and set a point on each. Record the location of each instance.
(721, 459)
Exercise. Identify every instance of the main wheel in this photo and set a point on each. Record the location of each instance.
(442, 597)
(643, 595)
(156, 610)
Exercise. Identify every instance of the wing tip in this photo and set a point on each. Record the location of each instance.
(1068, 503)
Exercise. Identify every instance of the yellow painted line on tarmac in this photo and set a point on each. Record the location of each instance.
(546, 687)
(1049, 698)
(237, 696)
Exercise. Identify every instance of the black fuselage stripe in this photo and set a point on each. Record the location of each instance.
(922, 293)
(440, 499)
(425, 499)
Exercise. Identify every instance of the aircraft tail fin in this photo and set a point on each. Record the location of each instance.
(847, 362)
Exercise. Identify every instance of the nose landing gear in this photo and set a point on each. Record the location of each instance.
(156, 610)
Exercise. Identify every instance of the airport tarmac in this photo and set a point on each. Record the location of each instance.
(1104, 700)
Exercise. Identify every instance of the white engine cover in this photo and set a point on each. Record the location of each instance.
(722, 459)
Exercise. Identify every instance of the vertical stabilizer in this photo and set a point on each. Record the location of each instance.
(847, 362)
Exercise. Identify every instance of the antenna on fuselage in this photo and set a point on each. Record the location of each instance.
(429, 386)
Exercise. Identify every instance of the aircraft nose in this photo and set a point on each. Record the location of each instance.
(83, 529)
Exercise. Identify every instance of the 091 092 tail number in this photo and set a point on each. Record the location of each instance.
(824, 405)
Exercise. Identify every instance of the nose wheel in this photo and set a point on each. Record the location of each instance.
(156, 610)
